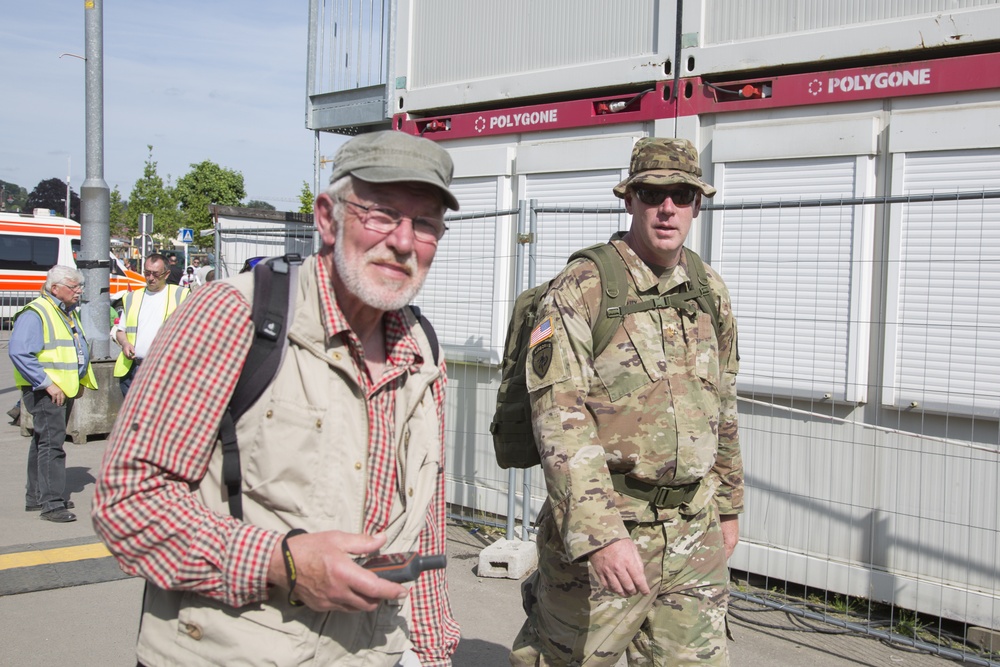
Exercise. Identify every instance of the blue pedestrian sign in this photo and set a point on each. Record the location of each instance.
(187, 235)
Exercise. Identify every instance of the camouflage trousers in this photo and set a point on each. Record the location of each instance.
(573, 620)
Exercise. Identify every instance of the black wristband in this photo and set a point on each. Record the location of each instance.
(290, 565)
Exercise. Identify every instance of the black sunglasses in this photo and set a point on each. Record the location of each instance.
(651, 197)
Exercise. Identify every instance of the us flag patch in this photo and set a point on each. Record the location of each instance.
(541, 332)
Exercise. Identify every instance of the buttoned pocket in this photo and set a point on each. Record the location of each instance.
(282, 465)
(706, 364)
(706, 349)
(261, 633)
(623, 367)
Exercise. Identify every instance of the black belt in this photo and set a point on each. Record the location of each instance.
(661, 497)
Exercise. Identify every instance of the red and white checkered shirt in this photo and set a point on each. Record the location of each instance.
(164, 437)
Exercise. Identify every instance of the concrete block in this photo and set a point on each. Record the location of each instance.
(94, 412)
(985, 638)
(507, 559)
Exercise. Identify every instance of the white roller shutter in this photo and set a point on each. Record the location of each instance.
(799, 277)
(560, 234)
(943, 311)
(458, 296)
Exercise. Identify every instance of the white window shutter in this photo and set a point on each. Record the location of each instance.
(798, 277)
(458, 294)
(943, 315)
(562, 234)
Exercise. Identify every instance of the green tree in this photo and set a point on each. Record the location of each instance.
(306, 199)
(150, 195)
(121, 224)
(260, 205)
(51, 194)
(207, 183)
(12, 197)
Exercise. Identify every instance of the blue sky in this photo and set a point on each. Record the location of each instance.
(219, 80)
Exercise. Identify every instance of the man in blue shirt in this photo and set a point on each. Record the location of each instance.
(51, 365)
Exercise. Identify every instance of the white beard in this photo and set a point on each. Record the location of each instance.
(383, 295)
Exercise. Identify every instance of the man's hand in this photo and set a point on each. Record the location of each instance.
(57, 395)
(128, 349)
(730, 532)
(619, 568)
(327, 578)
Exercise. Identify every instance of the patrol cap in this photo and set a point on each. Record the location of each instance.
(396, 157)
(664, 161)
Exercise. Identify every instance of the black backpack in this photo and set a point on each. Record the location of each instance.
(513, 440)
(275, 285)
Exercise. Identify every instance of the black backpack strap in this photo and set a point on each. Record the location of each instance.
(275, 285)
(232, 477)
(432, 337)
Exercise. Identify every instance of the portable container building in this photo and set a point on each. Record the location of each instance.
(856, 149)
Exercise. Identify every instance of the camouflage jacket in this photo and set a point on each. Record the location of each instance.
(658, 404)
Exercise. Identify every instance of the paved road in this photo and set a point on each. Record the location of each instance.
(63, 601)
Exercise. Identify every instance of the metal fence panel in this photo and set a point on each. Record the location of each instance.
(891, 512)
(885, 516)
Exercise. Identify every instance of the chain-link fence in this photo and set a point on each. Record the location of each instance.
(868, 401)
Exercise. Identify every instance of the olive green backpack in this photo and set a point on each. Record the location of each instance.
(513, 440)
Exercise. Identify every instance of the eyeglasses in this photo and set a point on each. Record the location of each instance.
(384, 220)
(679, 196)
(154, 274)
(75, 288)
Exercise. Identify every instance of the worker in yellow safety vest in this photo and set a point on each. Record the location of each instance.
(143, 313)
(51, 359)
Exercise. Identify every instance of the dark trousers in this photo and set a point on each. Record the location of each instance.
(126, 381)
(47, 455)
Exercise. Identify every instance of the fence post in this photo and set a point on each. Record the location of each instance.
(522, 214)
(532, 278)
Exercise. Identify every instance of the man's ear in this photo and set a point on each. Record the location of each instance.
(696, 207)
(323, 218)
(628, 201)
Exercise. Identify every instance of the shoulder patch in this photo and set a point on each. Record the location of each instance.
(541, 358)
(542, 331)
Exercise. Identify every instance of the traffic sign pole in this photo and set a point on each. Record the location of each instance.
(187, 238)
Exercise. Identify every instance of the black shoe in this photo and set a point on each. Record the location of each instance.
(58, 516)
(15, 414)
(38, 508)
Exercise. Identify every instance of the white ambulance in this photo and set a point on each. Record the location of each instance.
(31, 244)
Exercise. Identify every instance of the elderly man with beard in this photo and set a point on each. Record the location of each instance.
(51, 359)
(341, 456)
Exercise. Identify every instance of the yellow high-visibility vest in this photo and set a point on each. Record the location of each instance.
(58, 356)
(130, 312)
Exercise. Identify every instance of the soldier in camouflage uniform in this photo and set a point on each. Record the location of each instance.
(639, 448)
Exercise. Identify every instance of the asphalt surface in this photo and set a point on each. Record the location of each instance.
(63, 600)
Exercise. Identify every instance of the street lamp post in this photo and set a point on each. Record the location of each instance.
(95, 196)
(95, 411)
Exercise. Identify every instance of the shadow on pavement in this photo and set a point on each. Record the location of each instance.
(480, 653)
(77, 479)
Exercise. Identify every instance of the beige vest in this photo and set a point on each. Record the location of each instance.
(303, 452)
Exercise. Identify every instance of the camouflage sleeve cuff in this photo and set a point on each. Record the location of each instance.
(726, 507)
(728, 496)
(588, 525)
(729, 499)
